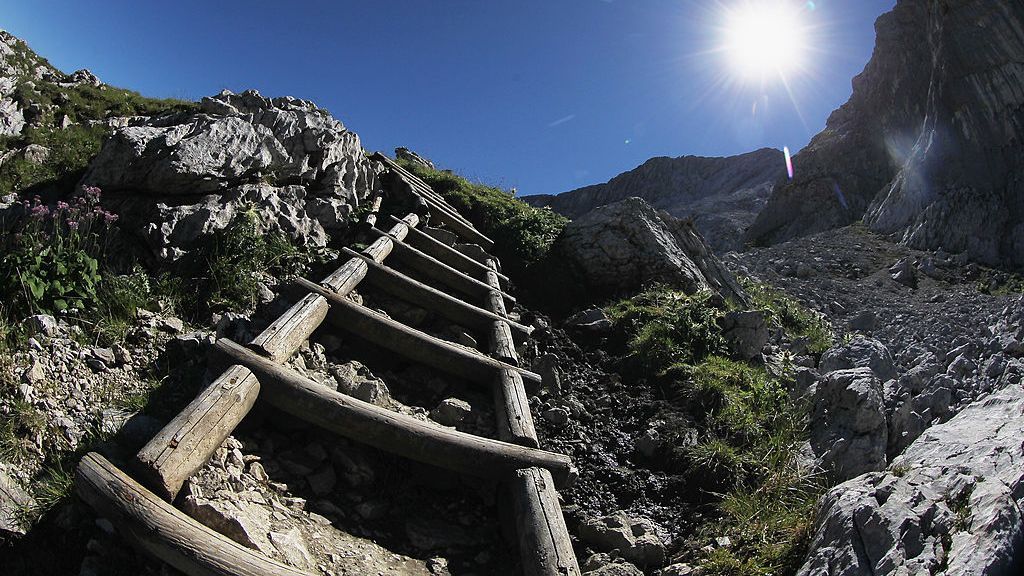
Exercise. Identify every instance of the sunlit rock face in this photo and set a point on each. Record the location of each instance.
(929, 146)
(721, 195)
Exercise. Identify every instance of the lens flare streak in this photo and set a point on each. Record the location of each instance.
(789, 161)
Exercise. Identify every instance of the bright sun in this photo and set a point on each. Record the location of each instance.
(765, 37)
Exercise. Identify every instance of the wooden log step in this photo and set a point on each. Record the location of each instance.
(415, 292)
(392, 431)
(184, 445)
(544, 545)
(415, 345)
(450, 256)
(436, 270)
(286, 334)
(159, 529)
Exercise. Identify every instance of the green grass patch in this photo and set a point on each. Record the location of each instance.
(522, 234)
(730, 428)
(794, 318)
(665, 327)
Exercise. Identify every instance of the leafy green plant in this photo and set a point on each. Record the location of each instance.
(51, 262)
(666, 327)
(795, 319)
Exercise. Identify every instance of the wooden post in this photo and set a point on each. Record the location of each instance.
(392, 431)
(544, 544)
(409, 342)
(159, 529)
(515, 422)
(401, 286)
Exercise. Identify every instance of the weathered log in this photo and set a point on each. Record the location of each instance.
(184, 445)
(352, 272)
(286, 334)
(436, 270)
(502, 346)
(392, 431)
(415, 292)
(162, 531)
(450, 256)
(544, 545)
(370, 219)
(418, 346)
(512, 408)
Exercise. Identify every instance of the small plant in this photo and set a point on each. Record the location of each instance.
(51, 262)
(666, 327)
(53, 488)
(229, 267)
(795, 319)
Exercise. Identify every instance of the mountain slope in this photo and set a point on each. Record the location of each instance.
(722, 194)
(928, 148)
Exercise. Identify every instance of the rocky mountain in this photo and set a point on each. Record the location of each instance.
(721, 195)
(928, 148)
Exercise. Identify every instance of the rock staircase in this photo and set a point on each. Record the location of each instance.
(139, 505)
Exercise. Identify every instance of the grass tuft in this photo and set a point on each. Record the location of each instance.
(794, 318)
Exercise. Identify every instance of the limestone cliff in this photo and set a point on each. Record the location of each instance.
(928, 148)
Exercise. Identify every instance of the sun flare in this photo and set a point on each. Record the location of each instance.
(765, 38)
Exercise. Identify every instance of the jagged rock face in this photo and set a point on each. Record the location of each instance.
(184, 176)
(236, 139)
(722, 195)
(951, 503)
(929, 146)
(624, 246)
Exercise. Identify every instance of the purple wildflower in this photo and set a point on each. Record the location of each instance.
(73, 224)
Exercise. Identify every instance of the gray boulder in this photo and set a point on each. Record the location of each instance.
(636, 539)
(184, 176)
(745, 332)
(848, 423)
(236, 139)
(623, 246)
(859, 352)
(951, 503)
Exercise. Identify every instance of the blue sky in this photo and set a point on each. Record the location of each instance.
(542, 95)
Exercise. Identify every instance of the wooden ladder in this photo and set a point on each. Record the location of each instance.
(141, 508)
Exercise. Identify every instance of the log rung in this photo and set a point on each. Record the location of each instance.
(437, 270)
(156, 527)
(392, 431)
(414, 344)
(401, 286)
(450, 256)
